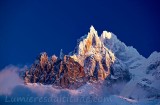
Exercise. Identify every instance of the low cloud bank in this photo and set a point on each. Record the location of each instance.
(14, 91)
(9, 79)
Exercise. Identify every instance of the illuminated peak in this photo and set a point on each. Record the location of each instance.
(92, 28)
(106, 35)
(93, 32)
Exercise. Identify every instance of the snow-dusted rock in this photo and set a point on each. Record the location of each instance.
(97, 59)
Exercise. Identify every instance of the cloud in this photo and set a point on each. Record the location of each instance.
(9, 79)
(14, 91)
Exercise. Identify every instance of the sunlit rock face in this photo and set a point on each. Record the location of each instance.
(65, 73)
(94, 56)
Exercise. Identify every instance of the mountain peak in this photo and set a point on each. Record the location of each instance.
(88, 42)
(92, 28)
(106, 35)
(93, 32)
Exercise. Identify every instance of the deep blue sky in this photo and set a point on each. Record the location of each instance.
(28, 27)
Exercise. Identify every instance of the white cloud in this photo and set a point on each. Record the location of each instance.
(13, 91)
(9, 79)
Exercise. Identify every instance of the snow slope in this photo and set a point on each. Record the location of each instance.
(146, 80)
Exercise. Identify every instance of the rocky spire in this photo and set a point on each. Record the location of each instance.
(43, 59)
(54, 58)
(92, 30)
(92, 40)
(61, 55)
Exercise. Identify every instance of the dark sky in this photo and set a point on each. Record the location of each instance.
(28, 27)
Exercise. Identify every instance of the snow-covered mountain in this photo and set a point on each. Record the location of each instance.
(100, 59)
(145, 82)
